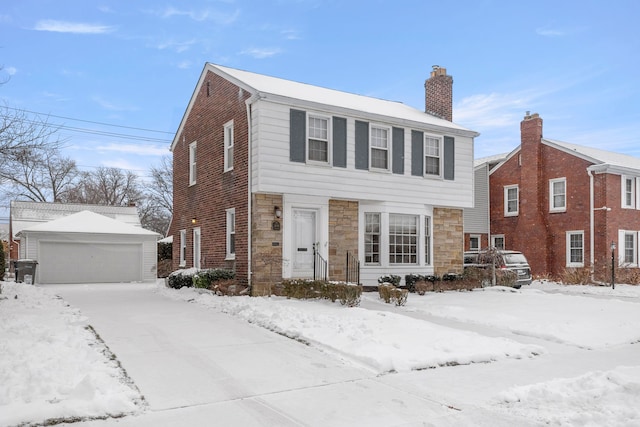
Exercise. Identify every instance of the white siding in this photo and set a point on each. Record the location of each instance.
(476, 219)
(273, 172)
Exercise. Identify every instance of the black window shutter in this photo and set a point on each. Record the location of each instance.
(398, 151)
(340, 142)
(362, 145)
(417, 153)
(297, 135)
(449, 158)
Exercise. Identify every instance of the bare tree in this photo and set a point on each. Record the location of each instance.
(160, 189)
(106, 186)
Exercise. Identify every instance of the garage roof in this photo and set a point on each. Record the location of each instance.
(88, 222)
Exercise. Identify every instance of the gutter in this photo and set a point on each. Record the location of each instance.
(249, 102)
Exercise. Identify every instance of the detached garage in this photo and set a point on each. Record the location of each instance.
(87, 247)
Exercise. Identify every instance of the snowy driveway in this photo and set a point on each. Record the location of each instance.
(194, 365)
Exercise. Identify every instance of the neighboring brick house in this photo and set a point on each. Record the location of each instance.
(268, 171)
(564, 204)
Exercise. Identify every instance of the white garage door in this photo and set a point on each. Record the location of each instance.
(67, 262)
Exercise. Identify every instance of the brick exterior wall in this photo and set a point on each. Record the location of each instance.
(448, 237)
(438, 94)
(216, 103)
(540, 234)
(343, 236)
(266, 244)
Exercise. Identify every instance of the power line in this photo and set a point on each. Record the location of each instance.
(90, 121)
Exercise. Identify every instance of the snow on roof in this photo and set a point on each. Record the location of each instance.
(27, 214)
(168, 239)
(88, 222)
(266, 85)
(596, 155)
(496, 158)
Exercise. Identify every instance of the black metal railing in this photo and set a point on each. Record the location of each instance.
(319, 265)
(353, 269)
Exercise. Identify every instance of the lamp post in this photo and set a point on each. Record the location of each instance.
(613, 265)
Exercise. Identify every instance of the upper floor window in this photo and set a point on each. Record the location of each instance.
(511, 200)
(628, 192)
(228, 146)
(575, 249)
(192, 162)
(318, 141)
(231, 233)
(183, 248)
(403, 239)
(432, 156)
(379, 146)
(372, 238)
(558, 195)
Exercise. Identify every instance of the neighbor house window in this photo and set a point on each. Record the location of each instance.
(497, 241)
(629, 255)
(575, 249)
(558, 195)
(192, 163)
(628, 192)
(403, 239)
(379, 148)
(474, 243)
(432, 156)
(318, 141)
(372, 238)
(231, 233)
(427, 240)
(228, 146)
(183, 248)
(196, 247)
(511, 200)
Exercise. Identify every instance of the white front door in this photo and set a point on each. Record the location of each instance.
(304, 237)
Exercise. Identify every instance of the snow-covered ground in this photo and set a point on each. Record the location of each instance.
(53, 366)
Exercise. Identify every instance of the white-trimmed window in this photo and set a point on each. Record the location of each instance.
(474, 243)
(558, 195)
(372, 238)
(183, 248)
(511, 200)
(628, 192)
(403, 239)
(427, 240)
(318, 140)
(497, 241)
(192, 162)
(432, 156)
(231, 233)
(379, 147)
(628, 248)
(228, 146)
(196, 248)
(575, 248)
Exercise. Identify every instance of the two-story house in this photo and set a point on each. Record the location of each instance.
(563, 205)
(269, 171)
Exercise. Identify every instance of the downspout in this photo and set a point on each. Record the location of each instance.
(248, 104)
(591, 224)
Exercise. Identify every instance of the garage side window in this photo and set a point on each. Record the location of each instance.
(183, 248)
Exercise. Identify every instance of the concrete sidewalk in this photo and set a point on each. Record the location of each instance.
(195, 366)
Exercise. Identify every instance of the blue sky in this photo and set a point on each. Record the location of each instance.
(134, 64)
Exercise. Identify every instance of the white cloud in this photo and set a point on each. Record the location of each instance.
(11, 70)
(223, 18)
(290, 34)
(176, 46)
(494, 110)
(139, 149)
(261, 53)
(184, 65)
(549, 32)
(108, 105)
(72, 27)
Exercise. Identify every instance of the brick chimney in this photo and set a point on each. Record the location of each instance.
(531, 230)
(438, 94)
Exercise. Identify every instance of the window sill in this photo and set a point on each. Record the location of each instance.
(575, 265)
(230, 258)
(511, 214)
(553, 211)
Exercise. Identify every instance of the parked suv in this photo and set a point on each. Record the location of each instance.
(505, 260)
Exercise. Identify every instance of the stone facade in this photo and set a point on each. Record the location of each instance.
(266, 244)
(448, 241)
(343, 236)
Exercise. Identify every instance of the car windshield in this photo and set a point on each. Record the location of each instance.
(515, 259)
